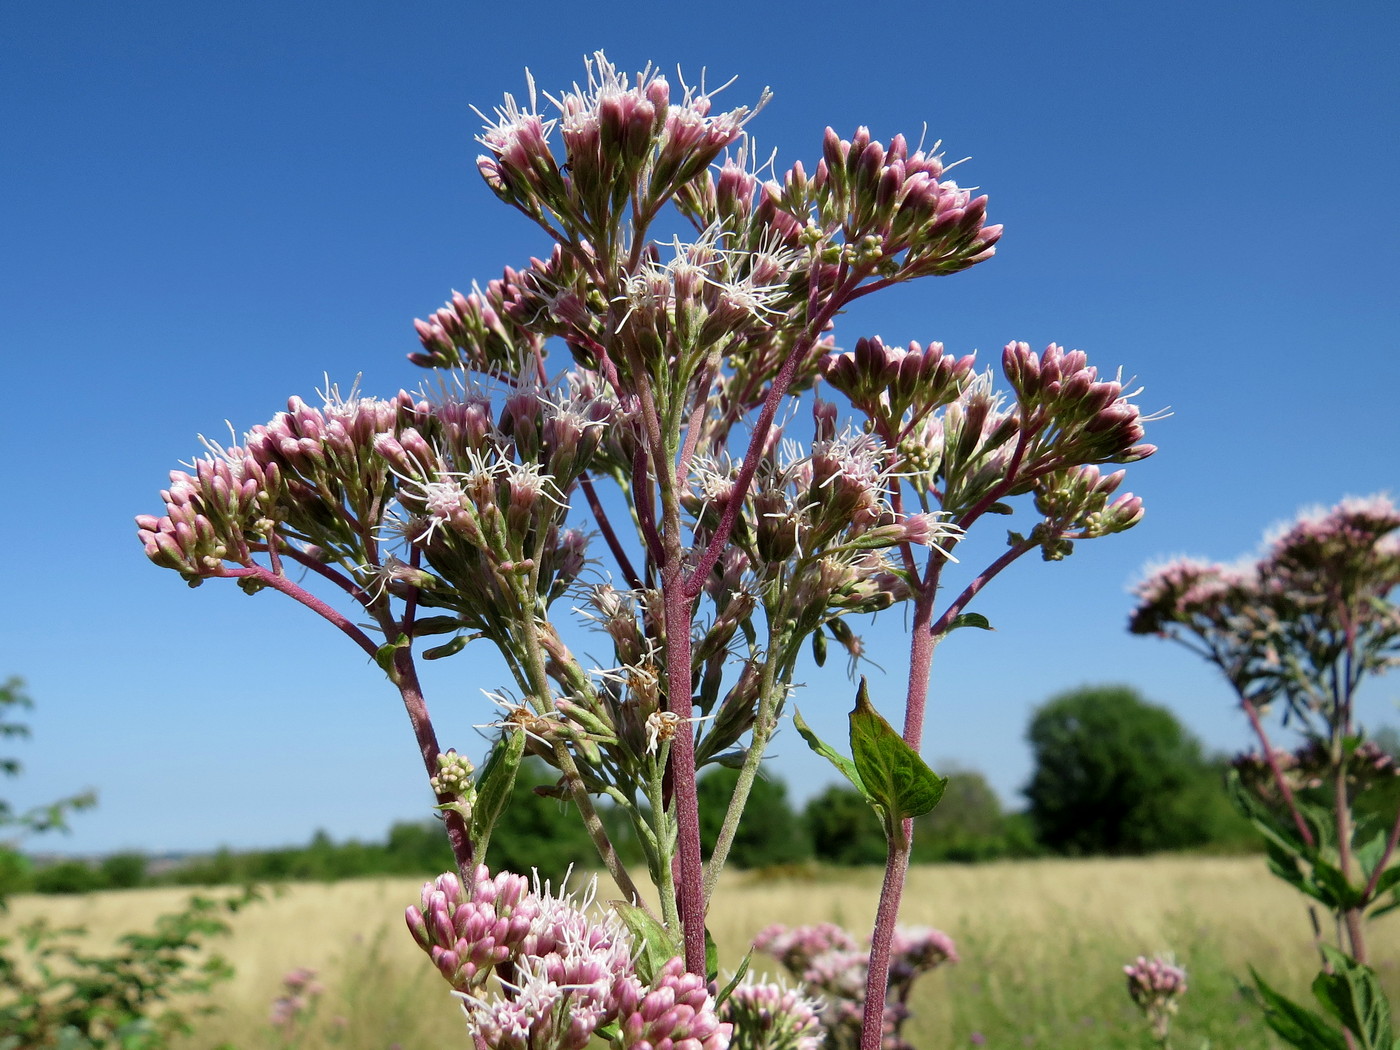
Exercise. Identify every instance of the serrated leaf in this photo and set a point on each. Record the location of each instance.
(844, 765)
(493, 787)
(1371, 851)
(656, 946)
(1297, 1025)
(1354, 996)
(970, 620)
(893, 773)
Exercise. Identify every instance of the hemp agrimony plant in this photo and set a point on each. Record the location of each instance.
(613, 427)
(1298, 631)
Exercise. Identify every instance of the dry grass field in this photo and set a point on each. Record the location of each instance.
(1042, 947)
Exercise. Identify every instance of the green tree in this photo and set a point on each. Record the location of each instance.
(844, 829)
(540, 830)
(122, 871)
(770, 832)
(967, 824)
(1115, 774)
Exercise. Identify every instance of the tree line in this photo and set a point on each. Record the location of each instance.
(1113, 775)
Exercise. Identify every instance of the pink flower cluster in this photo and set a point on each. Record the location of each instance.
(562, 974)
(769, 1016)
(829, 962)
(1155, 985)
(1320, 589)
(1311, 765)
(300, 990)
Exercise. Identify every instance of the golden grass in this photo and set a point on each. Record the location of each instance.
(1042, 944)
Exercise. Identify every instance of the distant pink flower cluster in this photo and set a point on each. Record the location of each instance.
(299, 994)
(1274, 626)
(830, 963)
(1155, 985)
(1311, 764)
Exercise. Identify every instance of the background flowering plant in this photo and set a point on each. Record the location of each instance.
(1299, 630)
(642, 376)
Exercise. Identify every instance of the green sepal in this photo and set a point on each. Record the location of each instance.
(657, 946)
(384, 655)
(728, 989)
(436, 625)
(451, 648)
(493, 787)
(895, 776)
(819, 647)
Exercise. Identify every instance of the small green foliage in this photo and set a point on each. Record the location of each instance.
(970, 620)
(494, 785)
(894, 774)
(657, 945)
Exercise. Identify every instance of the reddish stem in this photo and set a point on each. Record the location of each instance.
(406, 678)
(1283, 789)
(280, 583)
(690, 874)
(694, 581)
(595, 507)
(882, 938)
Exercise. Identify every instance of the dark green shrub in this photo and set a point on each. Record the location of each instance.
(770, 832)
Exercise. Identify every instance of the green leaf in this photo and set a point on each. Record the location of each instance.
(1385, 909)
(728, 989)
(894, 774)
(493, 787)
(1297, 1025)
(711, 957)
(844, 765)
(657, 946)
(1352, 993)
(970, 620)
(1371, 851)
(819, 647)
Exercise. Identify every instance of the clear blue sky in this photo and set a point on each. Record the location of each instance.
(203, 207)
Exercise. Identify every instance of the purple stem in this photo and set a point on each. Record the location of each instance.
(280, 583)
(925, 635)
(694, 581)
(595, 507)
(680, 590)
(921, 647)
(1283, 789)
(406, 678)
(690, 873)
(881, 939)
